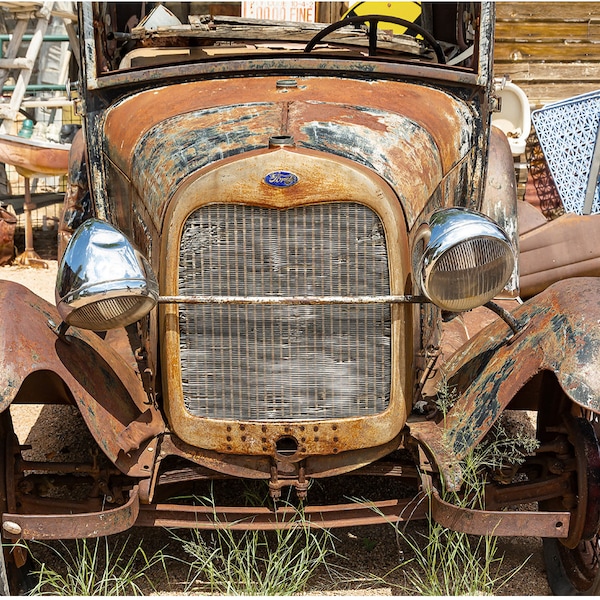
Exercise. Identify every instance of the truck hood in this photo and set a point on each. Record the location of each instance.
(412, 136)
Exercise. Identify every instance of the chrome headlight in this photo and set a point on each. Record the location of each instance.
(102, 281)
(461, 259)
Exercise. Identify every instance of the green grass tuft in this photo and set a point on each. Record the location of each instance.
(256, 563)
(93, 568)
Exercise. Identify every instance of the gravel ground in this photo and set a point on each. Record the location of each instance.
(372, 551)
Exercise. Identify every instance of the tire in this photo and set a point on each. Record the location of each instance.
(572, 572)
(13, 579)
(573, 565)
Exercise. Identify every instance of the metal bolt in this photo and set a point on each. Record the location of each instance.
(12, 528)
(286, 83)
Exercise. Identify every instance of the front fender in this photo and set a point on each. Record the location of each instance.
(560, 334)
(107, 390)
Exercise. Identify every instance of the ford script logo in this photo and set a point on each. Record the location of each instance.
(281, 179)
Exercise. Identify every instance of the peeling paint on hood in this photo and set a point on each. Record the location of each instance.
(410, 135)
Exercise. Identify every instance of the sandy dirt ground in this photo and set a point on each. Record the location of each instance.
(369, 550)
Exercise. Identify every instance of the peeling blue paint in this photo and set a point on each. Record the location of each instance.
(177, 147)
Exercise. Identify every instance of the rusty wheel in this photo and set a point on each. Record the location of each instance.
(573, 565)
(13, 562)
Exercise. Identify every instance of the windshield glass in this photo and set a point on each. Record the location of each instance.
(132, 36)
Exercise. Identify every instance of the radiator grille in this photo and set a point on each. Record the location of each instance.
(265, 362)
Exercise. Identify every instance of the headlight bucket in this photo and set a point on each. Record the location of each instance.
(102, 281)
(461, 259)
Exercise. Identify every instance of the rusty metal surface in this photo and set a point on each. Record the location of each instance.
(72, 526)
(291, 66)
(95, 524)
(408, 153)
(107, 391)
(585, 520)
(161, 136)
(529, 217)
(478, 522)
(182, 144)
(561, 335)
(176, 147)
(500, 523)
(261, 466)
(321, 178)
(256, 518)
(502, 496)
(192, 472)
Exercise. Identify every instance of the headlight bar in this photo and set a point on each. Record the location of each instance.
(299, 300)
(327, 300)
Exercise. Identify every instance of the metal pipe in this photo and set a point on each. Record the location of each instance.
(6, 37)
(45, 87)
(505, 316)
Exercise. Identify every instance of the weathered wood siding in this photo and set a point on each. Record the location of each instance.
(550, 49)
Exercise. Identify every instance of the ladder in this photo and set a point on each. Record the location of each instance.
(41, 13)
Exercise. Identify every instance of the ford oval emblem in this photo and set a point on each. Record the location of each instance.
(282, 179)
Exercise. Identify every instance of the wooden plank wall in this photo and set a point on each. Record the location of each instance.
(550, 49)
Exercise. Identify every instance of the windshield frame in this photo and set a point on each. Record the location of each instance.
(287, 63)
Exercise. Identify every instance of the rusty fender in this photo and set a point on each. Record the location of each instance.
(37, 366)
(559, 333)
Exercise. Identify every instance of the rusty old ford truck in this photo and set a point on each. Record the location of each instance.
(282, 243)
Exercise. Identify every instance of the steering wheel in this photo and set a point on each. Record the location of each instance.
(373, 21)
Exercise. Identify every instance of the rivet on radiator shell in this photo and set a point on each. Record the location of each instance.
(12, 528)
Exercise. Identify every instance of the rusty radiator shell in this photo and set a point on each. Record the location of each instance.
(321, 179)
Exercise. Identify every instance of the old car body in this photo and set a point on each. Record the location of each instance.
(280, 242)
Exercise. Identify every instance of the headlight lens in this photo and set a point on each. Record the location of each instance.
(461, 259)
(102, 281)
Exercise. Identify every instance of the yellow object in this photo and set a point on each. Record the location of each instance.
(69, 115)
(410, 11)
